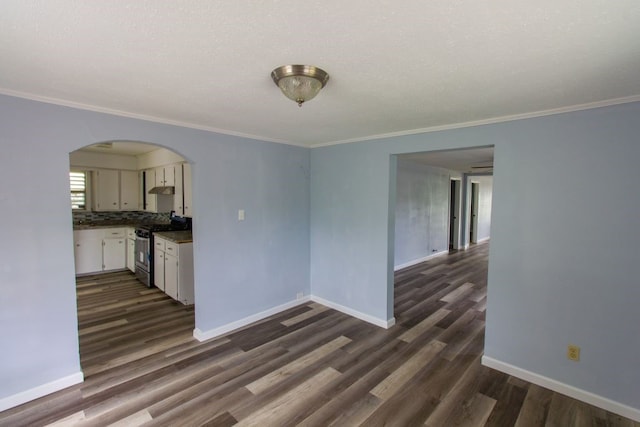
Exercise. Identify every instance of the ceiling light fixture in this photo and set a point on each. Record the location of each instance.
(299, 83)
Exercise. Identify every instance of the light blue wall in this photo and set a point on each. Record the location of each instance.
(241, 268)
(563, 251)
(485, 197)
(422, 211)
(563, 263)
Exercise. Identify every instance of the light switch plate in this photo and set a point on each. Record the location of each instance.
(241, 215)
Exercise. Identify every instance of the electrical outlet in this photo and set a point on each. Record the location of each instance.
(573, 352)
(299, 295)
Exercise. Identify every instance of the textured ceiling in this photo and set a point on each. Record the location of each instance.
(396, 67)
(469, 160)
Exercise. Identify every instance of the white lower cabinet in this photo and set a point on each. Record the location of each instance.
(113, 254)
(101, 249)
(87, 250)
(171, 276)
(131, 249)
(158, 268)
(173, 269)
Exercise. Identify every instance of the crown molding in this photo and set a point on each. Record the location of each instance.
(494, 120)
(127, 114)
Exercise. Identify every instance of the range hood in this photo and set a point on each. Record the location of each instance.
(169, 191)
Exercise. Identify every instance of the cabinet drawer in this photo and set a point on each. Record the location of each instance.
(114, 233)
(159, 244)
(171, 248)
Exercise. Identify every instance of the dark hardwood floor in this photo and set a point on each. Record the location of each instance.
(308, 366)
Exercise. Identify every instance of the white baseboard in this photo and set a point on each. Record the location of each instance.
(568, 390)
(484, 239)
(39, 391)
(224, 329)
(419, 260)
(201, 335)
(354, 313)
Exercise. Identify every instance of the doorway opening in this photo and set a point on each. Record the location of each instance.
(132, 212)
(434, 215)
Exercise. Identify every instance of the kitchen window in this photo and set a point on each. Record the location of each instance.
(78, 185)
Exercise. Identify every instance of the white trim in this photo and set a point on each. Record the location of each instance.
(201, 335)
(483, 240)
(510, 118)
(113, 112)
(566, 389)
(41, 390)
(542, 113)
(419, 260)
(354, 313)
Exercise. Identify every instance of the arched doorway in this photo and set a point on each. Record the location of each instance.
(134, 290)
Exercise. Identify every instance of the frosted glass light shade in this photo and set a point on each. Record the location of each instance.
(299, 88)
(300, 83)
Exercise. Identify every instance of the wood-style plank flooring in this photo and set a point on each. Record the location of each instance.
(309, 366)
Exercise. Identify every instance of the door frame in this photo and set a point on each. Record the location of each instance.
(455, 211)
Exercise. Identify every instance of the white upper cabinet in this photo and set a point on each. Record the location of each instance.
(178, 197)
(150, 199)
(186, 189)
(116, 190)
(129, 191)
(107, 190)
(165, 176)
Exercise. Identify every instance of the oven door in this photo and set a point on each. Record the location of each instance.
(143, 260)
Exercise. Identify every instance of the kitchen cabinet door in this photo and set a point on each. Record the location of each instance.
(113, 254)
(178, 199)
(129, 190)
(158, 269)
(87, 251)
(150, 199)
(169, 175)
(171, 276)
(185, 273)
(131, 255)
(186, 188)
(165, 176)
(107, 190)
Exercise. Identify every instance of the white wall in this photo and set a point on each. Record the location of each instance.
(422, 212)
(485, 198)
(87, 159)
(158, 157)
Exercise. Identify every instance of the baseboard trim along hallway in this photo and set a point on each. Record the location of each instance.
(419, 260)
(386, 324)
(41, 390)
(201, 335)
(567, 390)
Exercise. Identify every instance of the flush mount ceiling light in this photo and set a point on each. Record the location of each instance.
(299, 83)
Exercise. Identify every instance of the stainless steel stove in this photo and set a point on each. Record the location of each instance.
(144, 245)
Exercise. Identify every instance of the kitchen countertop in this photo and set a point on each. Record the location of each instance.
(94, 226)
(183, 236)
(106, 224)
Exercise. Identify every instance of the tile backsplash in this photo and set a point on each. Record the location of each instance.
(80, 217)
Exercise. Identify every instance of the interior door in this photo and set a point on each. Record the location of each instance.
(454, 215)
(473, 229)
